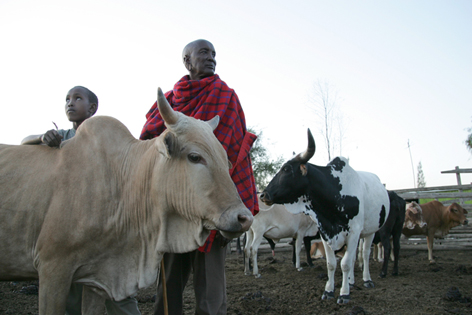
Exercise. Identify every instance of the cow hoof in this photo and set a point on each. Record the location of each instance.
(299, 269)
(382, 275)
(395, 273)
(343, 299)
(257, 276)
(327, 295)
(247, 273)
(369, 284)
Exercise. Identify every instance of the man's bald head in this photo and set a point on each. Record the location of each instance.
(199, 59)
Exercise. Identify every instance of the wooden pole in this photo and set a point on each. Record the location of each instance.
(164, 287)
(458, 176)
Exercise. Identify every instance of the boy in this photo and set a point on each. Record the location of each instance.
(81, 104)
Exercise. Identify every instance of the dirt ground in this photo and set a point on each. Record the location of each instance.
(444, 287)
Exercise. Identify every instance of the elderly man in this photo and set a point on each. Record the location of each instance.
(202, 94)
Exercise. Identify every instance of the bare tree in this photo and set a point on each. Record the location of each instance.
(325, 103)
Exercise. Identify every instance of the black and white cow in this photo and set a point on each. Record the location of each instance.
(391, 230)
(345, 204)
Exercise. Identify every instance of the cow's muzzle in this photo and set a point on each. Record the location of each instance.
(265, 197)
(233, 223)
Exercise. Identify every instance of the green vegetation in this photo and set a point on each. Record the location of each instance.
(264, 168)
(445, 199)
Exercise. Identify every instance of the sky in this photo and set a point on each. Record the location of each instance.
(401, 70)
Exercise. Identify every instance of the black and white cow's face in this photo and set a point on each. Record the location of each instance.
(291, 182)
(288, 185)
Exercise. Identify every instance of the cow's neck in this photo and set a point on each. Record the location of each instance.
(136, 166)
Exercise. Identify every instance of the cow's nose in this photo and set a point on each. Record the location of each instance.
(245, 221)
(466, 222)
(264, 196)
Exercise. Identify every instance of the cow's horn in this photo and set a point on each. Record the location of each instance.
(167, 113)
(214, 122)
(310, 150)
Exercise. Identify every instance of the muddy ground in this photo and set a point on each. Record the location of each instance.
(421, 288)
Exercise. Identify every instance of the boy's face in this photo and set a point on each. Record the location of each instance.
(78, 108)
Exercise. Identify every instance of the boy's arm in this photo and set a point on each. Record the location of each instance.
(52, 138)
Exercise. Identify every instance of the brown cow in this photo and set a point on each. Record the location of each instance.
(103, 209)
(439, 220)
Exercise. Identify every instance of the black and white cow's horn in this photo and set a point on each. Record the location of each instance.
(167, 113)
(310, 150)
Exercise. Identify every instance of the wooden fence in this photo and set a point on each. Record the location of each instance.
(457, 193)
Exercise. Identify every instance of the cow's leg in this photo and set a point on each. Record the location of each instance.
(294, 251)
(254, 248)
(430, 240)
(386, 249)
(380, 252)
(396, 251)
(313, 249)
(376, 254)
(238, 245)
(247, 252)
(347, 267)
(331, 267)
(54, 285)
(92, 303)
(298, 249)
(392, 256)
(307, 244)
(360, 250)
(366, 273)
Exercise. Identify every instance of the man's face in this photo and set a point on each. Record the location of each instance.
(201, 60)
(78, 107)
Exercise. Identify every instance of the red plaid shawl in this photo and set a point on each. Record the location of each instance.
(204, 99)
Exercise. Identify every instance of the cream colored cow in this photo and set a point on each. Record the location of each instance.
(103, 208)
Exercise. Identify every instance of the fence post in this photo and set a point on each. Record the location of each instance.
(459, 182)
(458, 176)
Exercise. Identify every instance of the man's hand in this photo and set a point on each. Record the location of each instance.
(52, 138)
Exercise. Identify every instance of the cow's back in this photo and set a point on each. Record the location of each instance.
(27, 180)
(277, 222)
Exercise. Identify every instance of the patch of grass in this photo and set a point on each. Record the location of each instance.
(446, 199)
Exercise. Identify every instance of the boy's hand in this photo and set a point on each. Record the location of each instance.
(52, 138)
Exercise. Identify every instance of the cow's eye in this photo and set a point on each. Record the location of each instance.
(194, 158)
(286, 169)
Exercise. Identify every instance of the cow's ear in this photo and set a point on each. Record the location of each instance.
(413, 210)
(303, 169)
(171, 143)
(168, 147)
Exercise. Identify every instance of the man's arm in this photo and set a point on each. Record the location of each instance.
(51, 138)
